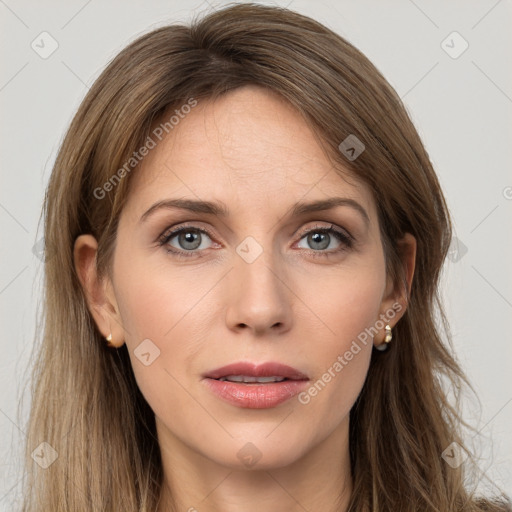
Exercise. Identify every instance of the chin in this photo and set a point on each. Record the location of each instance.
(261, 452)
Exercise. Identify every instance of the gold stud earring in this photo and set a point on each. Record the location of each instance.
(109, 340)
(387, 338)
(389, 334)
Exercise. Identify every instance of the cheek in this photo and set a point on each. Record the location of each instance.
(346, 303)
(155, 297)
(349, 308)
(167, 313)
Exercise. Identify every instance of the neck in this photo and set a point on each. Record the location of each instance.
(319, 480)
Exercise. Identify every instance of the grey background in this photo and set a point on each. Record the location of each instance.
(462, 108)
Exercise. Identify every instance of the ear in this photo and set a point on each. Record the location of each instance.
(396, 296)
(99, 293)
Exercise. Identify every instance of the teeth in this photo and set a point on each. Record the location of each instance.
(246, 378)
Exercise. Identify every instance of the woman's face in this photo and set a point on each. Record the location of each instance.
(263, 283)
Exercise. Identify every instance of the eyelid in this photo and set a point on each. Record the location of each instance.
(169, 232)
(329, 227)
(172, 231)
(343, 236)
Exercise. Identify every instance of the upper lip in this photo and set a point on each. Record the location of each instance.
(269, 369)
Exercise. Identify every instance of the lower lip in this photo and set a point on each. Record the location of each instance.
(254, 395)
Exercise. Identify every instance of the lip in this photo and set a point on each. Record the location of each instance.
(255, 395)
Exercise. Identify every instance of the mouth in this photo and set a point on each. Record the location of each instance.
(252, 372)
(252, 386)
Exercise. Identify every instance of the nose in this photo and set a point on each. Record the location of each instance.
(259, 297)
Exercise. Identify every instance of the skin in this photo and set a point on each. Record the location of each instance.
(255, 153)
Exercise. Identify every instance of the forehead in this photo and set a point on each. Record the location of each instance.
(248, 148)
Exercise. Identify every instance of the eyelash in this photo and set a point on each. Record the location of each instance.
(346, 240)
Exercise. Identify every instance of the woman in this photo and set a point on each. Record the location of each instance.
(240, 310)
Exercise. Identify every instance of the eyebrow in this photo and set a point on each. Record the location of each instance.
(219, 210)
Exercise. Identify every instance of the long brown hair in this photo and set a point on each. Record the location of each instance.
(86, 404)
